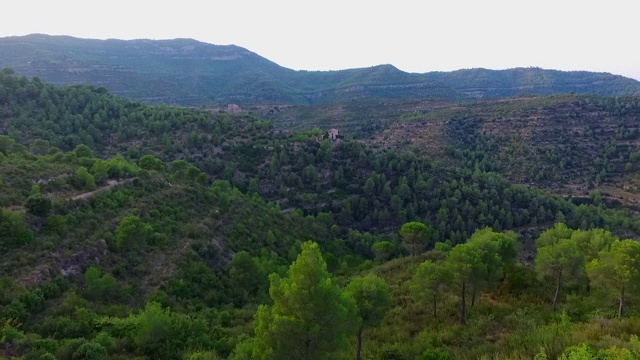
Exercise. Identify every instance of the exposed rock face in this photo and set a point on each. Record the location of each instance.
(76, 263)
(65, 264)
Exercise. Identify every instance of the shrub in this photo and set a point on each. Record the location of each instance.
(38, 205)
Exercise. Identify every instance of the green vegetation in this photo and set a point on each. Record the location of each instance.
(416, 236)
(135, 231)
(371, 295)
(192, 73)
(617, 268)
(310, 317)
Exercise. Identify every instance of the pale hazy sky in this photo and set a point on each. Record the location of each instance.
(415, 35)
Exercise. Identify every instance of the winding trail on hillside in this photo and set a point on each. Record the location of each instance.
(58, 262)
(110, 185)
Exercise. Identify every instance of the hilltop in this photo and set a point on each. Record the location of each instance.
(189, 72)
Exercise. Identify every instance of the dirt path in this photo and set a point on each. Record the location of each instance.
(110, 185)
(620, 194)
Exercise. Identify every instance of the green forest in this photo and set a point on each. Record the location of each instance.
(136, 231)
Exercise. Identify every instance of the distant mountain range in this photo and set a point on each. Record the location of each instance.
(189, 72)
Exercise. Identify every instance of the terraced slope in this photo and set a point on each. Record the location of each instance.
(566, 143)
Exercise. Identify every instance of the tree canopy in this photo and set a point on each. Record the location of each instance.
(305, 305)
(372, 298)
(416, 235)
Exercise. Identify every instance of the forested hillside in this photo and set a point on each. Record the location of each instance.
(137, 231)
(189, 72)
(570, 144)
(485, 83)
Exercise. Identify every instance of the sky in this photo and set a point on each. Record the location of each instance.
(415, 36)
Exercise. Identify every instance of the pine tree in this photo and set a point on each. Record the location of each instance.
(310, 318)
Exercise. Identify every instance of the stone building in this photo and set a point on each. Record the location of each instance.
(333, 134)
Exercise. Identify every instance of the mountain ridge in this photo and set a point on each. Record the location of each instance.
(190, 72)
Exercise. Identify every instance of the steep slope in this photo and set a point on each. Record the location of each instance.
(189, 72)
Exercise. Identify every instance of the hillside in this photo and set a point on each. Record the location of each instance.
(285, 167)
(484, 83)
(142, 231)
(188, 72)
(570, 144)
